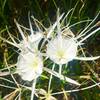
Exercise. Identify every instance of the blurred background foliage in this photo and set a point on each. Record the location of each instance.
(45, 11)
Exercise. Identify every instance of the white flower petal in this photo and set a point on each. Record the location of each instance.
(35, 37)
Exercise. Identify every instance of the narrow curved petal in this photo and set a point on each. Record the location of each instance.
(20, 30)
(89, 25)
(61, 76)
(89, 35)
(87, 58)
(11, 43)
(53, 27)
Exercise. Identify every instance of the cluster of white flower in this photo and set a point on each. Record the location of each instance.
(61, 48)
(60, 45)
(29, 63)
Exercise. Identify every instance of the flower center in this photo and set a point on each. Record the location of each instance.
(60, 54)
(34, 63)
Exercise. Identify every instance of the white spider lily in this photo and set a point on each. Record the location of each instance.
(63, 49)
(31, 43)
(29, 66)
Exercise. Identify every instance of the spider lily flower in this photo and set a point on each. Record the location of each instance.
(29, 66)
(63, 49)
(31, 43)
